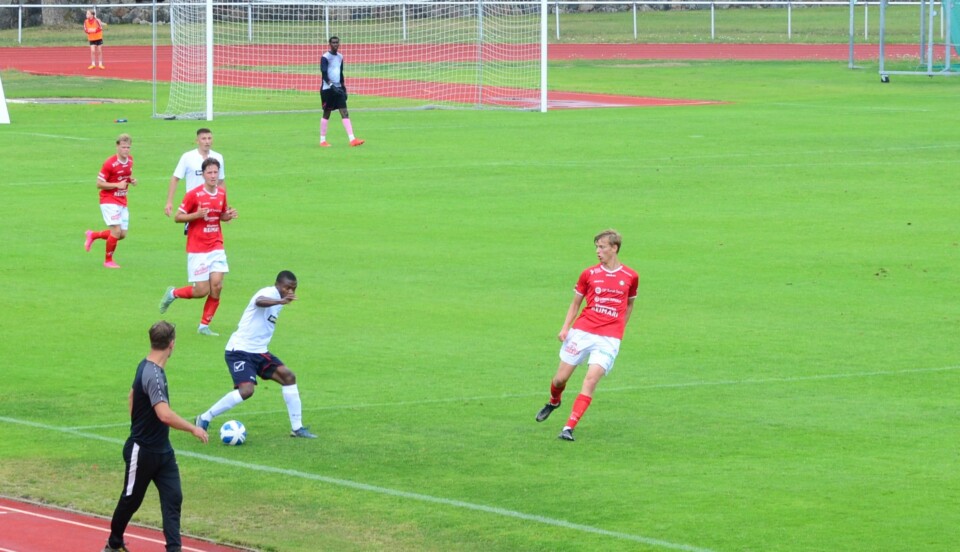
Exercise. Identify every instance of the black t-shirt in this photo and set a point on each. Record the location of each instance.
(149, 388)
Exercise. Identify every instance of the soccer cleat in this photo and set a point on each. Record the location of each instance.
(110, 264)
(324, 144)
(546, 411)
(88, 242)
(123, 548)
(101, 66)
(303, 432)
(205, 330)
(92, 66)
(167, 300)
(356, 142)
(566, 434)
(201, 423)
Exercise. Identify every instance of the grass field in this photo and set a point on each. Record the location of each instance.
(787, 382)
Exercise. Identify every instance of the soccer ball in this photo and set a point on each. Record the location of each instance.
(233, 433)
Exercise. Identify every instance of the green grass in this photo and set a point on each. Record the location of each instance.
(787, 382)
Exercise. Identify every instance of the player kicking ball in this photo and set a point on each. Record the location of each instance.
(610, 289)
(248, 357)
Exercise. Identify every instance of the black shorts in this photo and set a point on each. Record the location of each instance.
(96, 42)
(245, 367)
(332, 100)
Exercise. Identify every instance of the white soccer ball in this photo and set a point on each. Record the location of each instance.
(233, 433)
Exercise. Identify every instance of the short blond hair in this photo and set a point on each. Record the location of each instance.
(125, 139)
(613, 237)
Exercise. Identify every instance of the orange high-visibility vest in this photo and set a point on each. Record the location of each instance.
(93, 29)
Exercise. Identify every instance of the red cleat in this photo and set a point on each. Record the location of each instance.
(356, 142)
(88, 243)
(110, 264)
(324, 144)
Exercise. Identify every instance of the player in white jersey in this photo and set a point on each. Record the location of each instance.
(248, 357)
(189, 168)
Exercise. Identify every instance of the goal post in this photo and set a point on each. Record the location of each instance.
(937, 44)
(4, 114)
(262, 56)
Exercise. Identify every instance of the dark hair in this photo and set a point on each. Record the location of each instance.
(286, 276)
(162, 335)
(209, 161)
(204, 131)
(332, 38)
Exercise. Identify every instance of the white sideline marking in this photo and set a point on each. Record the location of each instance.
(385, 491)
(61, 136)
(760, 381)
(6, 550)
(86, 526)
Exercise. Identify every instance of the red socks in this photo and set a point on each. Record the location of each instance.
(111, 245)
(555, 393)
(579, 407)
(209, 309)
(186, 292)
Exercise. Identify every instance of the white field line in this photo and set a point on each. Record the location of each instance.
(128, 534)
(384, 491)
(719, 383)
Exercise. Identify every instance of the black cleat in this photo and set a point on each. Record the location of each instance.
(546, 410)
(566, 434)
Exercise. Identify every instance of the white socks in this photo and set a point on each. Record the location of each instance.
(291, 396)
(228, 401)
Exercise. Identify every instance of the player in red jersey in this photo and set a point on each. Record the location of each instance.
(116, 176)
(610, 289)
(203, 209)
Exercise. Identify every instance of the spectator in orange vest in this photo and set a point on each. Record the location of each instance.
(94, 29)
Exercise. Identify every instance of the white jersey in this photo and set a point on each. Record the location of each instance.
(257, 324)
(188, 169)
(334, 69)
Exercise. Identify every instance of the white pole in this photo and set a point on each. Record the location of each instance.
(249, 22)
(544, 11)
(556, 14)
(326, 22)
(4, 114)
(634, 20)
(20, 25)
(209, 60)
(713, 22)
(866, 20)
(789, 20)
(403, 12)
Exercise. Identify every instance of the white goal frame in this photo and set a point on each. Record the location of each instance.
(532, 50)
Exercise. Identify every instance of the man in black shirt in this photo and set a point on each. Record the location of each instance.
(147, 452)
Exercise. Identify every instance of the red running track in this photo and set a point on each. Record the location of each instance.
(28, 527)
(136, 63)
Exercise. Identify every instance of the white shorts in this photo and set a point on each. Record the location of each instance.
(601, 350)
(200, 265)
(114, 214)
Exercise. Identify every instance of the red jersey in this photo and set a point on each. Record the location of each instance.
(114, 171)
(204, 235)
(608, 293)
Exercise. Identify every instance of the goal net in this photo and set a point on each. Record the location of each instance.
(264, 56)
(936, 48)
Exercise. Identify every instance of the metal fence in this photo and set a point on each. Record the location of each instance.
(614, 21)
